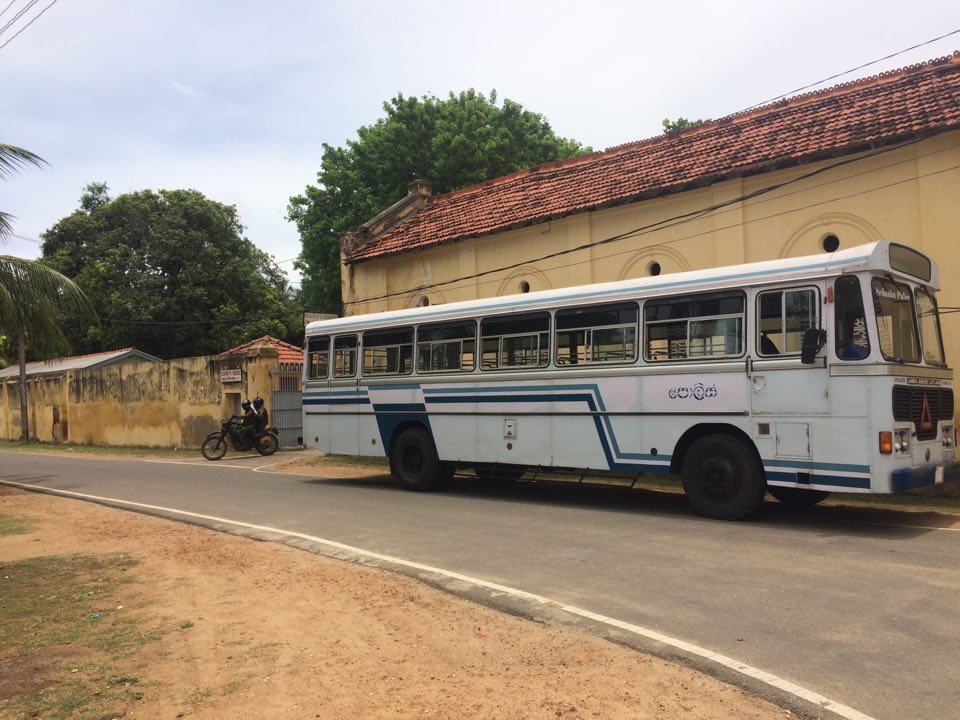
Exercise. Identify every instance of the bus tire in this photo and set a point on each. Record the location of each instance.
(723, 478)
(797, 497)
(413, 459)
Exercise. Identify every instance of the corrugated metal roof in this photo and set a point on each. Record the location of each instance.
(77, 362)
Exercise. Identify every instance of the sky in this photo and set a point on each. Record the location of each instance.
(235, 98)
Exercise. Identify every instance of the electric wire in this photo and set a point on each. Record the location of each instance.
(35, 18)
(9, 5)
(16, 17)
(730, 226)
(851, 70)
(634, 250)
(645, 229)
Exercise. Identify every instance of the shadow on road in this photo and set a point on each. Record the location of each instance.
(821, 519)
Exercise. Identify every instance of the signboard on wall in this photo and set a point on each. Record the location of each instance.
(309, 316)
(227, 376)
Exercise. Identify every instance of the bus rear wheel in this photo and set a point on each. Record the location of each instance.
(722, 478)
(413, 459)
(798, 497)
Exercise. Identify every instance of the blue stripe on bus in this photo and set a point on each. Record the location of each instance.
(332, 393)
(808, 464)
(337, 401)
(399, 407)
(399, 413)
(836, 481)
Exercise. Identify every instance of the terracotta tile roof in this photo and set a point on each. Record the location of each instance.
(848, 118)
(289, 354)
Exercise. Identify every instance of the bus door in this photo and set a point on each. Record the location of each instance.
(345, 399)
(786, 394)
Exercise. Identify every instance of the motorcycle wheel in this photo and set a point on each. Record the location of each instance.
(267, 444)
(214, 447)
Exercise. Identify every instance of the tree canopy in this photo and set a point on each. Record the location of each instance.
(681, 123)
(170, 273)
(451, 143)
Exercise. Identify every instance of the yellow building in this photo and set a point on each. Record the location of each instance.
(873, 159)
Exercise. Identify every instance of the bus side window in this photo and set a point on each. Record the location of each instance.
(515, 341)
(447, 347)
(782, 319)
(388, 352)
(318, 357)
(599, 334)
(345, 356)
(851, 339)
(699, 326)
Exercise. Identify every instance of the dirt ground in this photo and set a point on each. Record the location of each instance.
(263, 630)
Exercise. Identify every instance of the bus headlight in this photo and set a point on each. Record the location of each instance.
(949, 437)
(904, 441)
(899, 441)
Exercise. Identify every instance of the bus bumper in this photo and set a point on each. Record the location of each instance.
(924, 476)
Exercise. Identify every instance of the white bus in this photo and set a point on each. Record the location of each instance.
(799, 376)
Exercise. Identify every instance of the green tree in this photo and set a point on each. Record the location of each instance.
(170, 273)
(32, 295)
(680, 123)
(451, 143)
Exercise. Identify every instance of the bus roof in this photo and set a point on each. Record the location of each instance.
(871, 256)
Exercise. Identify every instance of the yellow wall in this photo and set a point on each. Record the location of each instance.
(910, 195)
(170, 404)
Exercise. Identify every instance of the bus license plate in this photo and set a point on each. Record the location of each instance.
(938, 475)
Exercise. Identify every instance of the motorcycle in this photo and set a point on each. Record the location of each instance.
(265, 442)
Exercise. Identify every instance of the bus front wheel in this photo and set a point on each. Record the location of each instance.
(722, 478)
(413, 459)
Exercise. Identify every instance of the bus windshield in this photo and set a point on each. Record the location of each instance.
(896, 321)
(929, 328)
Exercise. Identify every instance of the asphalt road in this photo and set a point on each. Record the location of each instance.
(862, 607)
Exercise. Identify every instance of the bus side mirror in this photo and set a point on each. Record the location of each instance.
(813, 340)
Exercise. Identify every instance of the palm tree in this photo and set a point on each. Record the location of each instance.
(12, 159)
(32, 295)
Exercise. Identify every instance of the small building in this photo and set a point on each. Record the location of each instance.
(45, 390)
(280, 385)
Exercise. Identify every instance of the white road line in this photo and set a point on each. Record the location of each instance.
(204, 463)
(728, 662)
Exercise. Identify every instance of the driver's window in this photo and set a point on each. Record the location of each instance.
(782, 319)
(851, 339)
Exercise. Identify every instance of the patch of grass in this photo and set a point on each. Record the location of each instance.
(321, 459)
(69, 449)
(231, 687)
(16, 525)
(197, 696)
(64, 641)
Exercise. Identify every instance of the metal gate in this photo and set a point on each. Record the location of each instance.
(288, 405)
